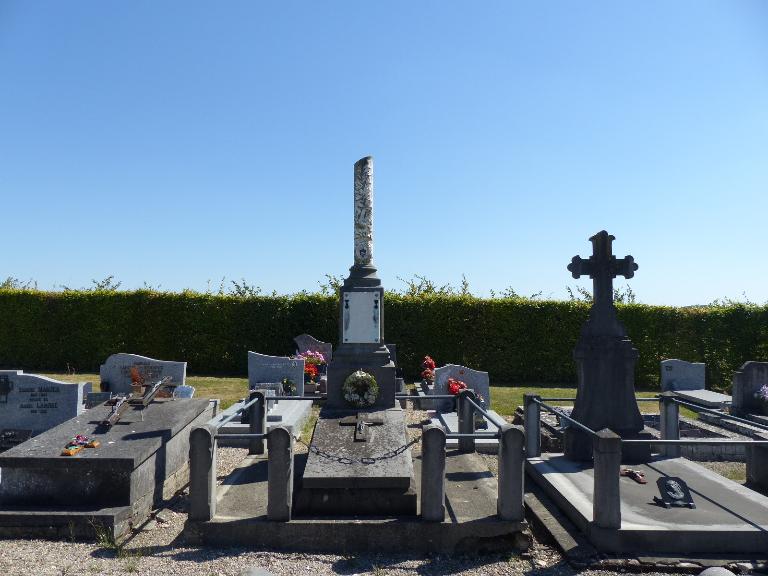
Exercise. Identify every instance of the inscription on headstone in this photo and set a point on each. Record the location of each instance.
(37, 403)
(272, 369)
(116, 374)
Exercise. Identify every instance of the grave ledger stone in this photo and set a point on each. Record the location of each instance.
(115, 373)
(38, 403)
(605, 359)
(359, 461)
(474, 379)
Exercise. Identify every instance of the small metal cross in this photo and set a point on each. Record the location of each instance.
(361, 422)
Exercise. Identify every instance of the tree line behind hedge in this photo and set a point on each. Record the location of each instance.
(516, 340)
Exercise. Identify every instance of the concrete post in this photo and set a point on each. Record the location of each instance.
(466, 420)
(279, 474)
(202, 473)
(509, 505)
(532, 422)
(433, 474)
(606, 498)
(669, 423)
(757, 463)
(257, 419)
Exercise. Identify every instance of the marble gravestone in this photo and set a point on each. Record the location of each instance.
(605, 360)
(681, 375)
(267, 372)
(305, 343)
(38, 403)
(115, 373)
(747, 380)
(474, 379)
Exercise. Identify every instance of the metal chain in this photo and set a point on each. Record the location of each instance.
(364, 459)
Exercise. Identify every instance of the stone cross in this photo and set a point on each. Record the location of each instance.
(361, 422)
(364, 211)
(602, 267)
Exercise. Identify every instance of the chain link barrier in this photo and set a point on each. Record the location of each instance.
(367, 460)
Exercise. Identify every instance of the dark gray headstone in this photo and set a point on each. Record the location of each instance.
(682, 375)
(38, 403)
(605, 359)
(95, 398)
(746, 382)
(270, 369)
(115, 373)
(305, 343)
(474, 379)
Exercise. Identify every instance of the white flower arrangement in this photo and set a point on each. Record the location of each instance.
(360, 389)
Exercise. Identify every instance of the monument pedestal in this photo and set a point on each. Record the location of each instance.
(371, 358)
(345, 477)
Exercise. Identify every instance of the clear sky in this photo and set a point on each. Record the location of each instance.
(176, 143)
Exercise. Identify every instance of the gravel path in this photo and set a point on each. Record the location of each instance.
(159, 550)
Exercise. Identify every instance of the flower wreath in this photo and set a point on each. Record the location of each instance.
(360, 389)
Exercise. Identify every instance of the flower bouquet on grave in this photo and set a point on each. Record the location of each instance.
(289, 387)
(316, 358)
(360, 389)
(78, 443)
(427, 372)
(455, 387)
(762, 397)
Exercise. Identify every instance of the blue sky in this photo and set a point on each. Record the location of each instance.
(176, 143)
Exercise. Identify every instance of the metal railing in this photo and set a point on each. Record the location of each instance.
(608, 447)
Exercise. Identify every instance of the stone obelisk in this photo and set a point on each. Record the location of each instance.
(361, 306)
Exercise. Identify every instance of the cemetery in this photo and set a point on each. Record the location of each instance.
(328, 450)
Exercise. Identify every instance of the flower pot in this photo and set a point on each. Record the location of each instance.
(310, 388)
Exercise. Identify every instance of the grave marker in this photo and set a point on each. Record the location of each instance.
(305, 343)
(474, 379)
(38, 403)
(682, 375)
(115, 373)
(264, 369)
(746, 382)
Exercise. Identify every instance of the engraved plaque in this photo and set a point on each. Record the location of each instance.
(361, 316)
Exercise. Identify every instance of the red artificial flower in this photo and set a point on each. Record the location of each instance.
(428, 375)
(428, 363)
(310, 370)
(455, 386)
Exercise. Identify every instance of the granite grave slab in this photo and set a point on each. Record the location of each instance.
(263, 368)
(115, 373)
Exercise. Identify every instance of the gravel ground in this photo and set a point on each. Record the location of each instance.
(158, 550)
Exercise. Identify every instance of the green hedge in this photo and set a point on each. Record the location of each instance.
(515, 340)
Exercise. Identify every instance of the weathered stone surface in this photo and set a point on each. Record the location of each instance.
(474, 379)
(746, 382)
(364, 211)
(604, 356)
(37, 403)
(706, 398)
(369, 358)
(270, 369)
(124, 466)
(331, 437)
(305, 343)
(682, 375)
(115, 373)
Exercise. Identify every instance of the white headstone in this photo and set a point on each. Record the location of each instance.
(474, 379)
(37, 403)
(115, 373)
(682, 375)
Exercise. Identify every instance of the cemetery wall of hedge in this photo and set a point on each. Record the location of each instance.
(515, 340)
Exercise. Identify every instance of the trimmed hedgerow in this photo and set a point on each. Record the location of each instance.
(515, 340)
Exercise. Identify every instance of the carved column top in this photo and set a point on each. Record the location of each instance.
(364, 211)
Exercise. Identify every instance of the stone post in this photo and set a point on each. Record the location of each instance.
(433, 474)
(202, 473)
(757, 463)
(466, 420)
(257, 421)
(511, 474)
(279, 474)
(532, 421)
(669, 423)
(606, 498)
